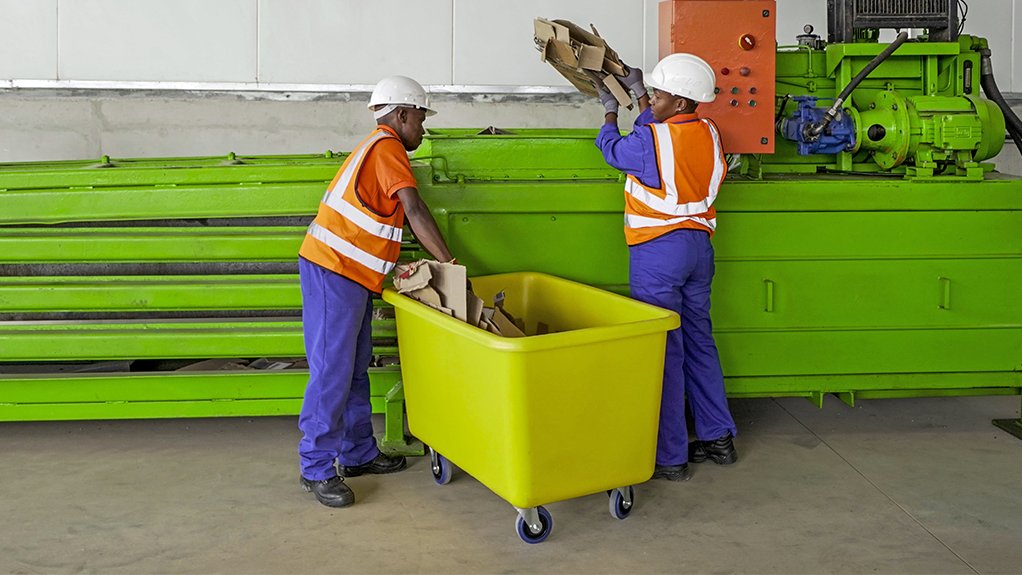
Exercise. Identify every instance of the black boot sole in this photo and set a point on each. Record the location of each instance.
(728, 459)
(335, 503)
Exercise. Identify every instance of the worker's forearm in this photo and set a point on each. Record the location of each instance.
(422, 223)
(643, 102)
(610, 118)
(430, 239)
(428, 234)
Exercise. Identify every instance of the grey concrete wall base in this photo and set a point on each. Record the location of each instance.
(58, 125)
(49, 124)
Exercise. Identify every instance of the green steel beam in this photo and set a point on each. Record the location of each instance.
(55, 206)
(535, 154)
(44, 206)
(910, 384)
(168, 244)
(230, 160)
(150, 409)
(149, 293)
(72, 388)
(64, 245)
(184, 339)
(168, 172)
(923, 392)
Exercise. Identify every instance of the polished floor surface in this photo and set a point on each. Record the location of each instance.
(890, 486)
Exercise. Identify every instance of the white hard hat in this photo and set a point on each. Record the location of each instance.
(394, 91)
(684, 75)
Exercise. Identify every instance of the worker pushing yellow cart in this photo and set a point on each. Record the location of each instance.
(541, 418)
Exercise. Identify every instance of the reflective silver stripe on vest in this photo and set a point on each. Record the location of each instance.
(334, 198)
(349, 250)
(719, 167)
(353, 162)
(360, 219)
(633, 221)
(668, 205)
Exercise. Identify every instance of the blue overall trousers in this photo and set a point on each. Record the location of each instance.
(674, 271)
(336, 418)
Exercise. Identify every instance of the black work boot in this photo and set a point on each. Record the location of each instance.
(721, 450)
(672, 472)
(330, 492)
(379, 465)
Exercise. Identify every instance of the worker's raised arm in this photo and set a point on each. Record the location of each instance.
(422, 223)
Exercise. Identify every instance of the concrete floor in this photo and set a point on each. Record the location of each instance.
(892, 486)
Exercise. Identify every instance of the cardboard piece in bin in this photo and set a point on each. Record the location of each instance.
(429, 282)
(506, 324)
(475, 308)
(430, 297)
(577, 53)
(442, 287)
(486, 321)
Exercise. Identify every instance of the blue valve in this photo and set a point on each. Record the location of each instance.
(839, 136)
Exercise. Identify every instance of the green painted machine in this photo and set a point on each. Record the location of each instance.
(916, 113)
(875, 253)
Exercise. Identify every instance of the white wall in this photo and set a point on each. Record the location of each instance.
(440, 42)
(290, 76)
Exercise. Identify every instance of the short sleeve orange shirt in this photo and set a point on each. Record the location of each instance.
(385, 170)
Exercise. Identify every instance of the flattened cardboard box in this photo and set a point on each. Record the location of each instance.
(442, 287)
(438, 285)
(576, 53)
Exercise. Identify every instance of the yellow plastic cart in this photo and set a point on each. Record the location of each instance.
(541, 418)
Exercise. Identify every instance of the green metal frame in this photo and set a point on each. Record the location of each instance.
(198, 394)
(865, 285)
(904, 255)
(35, 195)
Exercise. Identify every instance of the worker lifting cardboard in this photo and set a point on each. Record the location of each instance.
(579, 55)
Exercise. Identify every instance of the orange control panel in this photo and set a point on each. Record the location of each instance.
(737, 38)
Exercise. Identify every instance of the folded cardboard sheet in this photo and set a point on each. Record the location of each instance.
(578, 54)
(443, 287)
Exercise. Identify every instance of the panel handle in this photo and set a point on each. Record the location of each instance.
(945, 293)
(769, 293)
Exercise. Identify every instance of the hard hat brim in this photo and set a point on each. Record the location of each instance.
(657, 85)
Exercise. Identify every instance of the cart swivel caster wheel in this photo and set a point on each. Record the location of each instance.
(621, 501)
(441, 467)
(540, 515)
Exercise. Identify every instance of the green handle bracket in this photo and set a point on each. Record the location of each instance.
(945, 293)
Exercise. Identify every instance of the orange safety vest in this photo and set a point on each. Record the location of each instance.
(692, 166)
(347, 236)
